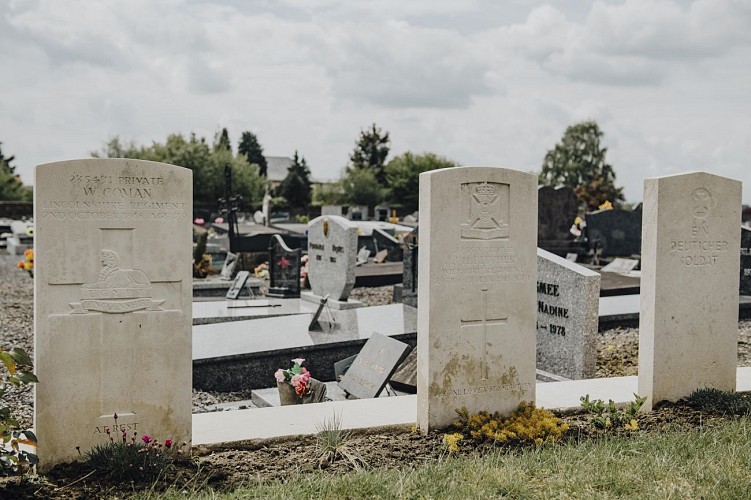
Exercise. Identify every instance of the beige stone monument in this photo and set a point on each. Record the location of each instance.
(477, 282)
(688, 328)
(112, 303)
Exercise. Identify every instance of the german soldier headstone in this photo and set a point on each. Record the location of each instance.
(476, 314)
(688, 325)
(112, 303)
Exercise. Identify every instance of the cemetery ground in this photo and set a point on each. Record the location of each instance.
(677, 451)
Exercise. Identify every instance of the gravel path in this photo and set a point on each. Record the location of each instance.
(616, 352)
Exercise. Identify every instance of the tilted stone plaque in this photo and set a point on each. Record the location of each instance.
(332, 252)
(373, 366)
(688, 325)
(112, 303)
(568, 298)
(476, 307)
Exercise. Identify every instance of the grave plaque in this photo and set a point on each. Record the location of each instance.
(373, 366)
(476, 307)
(745, 288)
(688, 325)
(237, 286)
(567, 314)
(284, 269)
(112, 303)
(332, 250)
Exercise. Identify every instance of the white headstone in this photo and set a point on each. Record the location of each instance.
(567, 314)
(332, 254)
(476, 308)
(688, 326)
(112, 303)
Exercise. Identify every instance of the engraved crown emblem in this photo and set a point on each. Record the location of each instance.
(485, 188)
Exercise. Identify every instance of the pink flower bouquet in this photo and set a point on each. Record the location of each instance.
(297, 376)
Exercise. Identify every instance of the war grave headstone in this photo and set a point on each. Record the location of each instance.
(567, 309)
(556, 210)
(745, 288)
(688, 325)
(476, 314)
(112, 303)
(373, 366)
(617, 233)
(284, 269)
(332, 253)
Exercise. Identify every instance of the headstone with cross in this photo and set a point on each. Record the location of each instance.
(112, 303)
(476, 307)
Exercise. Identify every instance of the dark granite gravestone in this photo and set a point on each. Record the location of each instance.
(284, 269)
(745, 261)
(617, 232)
(384, 241)
(556, 211)
(409, 279)
(373, 366)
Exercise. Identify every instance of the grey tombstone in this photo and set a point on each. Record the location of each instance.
(228, 268)
(238, 285)
(284, 269)
(384, 241)
(745, 287)
(332, 254)
(616, 232)
(373, 366)
(112, 303)
(567, 309)
(476, 314)
(688, 324)
(556, 210)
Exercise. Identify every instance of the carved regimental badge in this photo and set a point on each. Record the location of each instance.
(485, 211)
(116, 290)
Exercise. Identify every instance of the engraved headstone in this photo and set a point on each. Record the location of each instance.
(112, 303)
(615, 232)
(745, 288)
(567, 314)
(688, 325)
(476, 314)
(284, 269)
(373, 366)
(332, 250)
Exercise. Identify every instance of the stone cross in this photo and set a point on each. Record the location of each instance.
(484, 323)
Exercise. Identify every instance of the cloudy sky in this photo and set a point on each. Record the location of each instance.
(481, 82)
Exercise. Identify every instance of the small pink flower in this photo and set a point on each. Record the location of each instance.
(167, 443)
(298, 361)
(146, 438)
(107, 430)
(279, 375)
(305, 371)
(284, 263)
(297, 380)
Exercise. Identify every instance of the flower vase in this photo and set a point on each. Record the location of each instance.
(287, 394)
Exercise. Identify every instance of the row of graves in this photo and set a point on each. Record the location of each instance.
(117, 331)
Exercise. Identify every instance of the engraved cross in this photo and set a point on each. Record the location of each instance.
(488, 321)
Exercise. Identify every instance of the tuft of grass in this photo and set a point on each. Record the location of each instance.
(713, 462)
(332, 442)
(135, 462)
(720, 402)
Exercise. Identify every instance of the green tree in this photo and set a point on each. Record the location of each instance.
(360, 187)
(253, 152)
(221, 141)
(207, 164)
(295, 188)
(328, 194)
(578, 161)
(403, 176)
(11, 187)
(371, 150)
